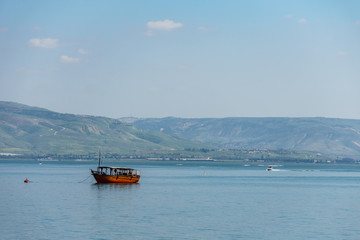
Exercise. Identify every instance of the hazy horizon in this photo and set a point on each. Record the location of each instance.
(205, 117)
(203, 59)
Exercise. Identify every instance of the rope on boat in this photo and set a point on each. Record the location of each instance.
(85, 179)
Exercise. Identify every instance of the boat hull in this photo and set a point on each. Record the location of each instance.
(115, 179)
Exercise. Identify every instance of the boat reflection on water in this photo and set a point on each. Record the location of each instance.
(119, 187)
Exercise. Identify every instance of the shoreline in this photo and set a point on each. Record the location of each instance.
(157, 162)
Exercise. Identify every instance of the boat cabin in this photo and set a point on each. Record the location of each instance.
(117, 171)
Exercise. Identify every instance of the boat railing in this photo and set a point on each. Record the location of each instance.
(112, 171)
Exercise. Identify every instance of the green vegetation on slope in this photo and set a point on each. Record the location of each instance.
(40, 133)
(339, 137)
(31, 130)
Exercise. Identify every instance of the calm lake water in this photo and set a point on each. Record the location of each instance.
(180, 201)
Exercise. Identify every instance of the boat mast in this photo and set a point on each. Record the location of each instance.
(99, 157)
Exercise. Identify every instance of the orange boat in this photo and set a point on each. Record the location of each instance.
(115, 174)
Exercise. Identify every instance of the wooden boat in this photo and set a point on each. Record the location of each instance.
(115, 174)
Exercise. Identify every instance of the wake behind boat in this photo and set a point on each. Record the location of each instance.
(115, 174)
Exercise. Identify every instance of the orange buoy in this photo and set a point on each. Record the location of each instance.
(26, 180)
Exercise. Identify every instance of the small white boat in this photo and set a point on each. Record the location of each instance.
(269, 168)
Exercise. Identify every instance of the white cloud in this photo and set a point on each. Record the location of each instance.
(82, 51)
(44, 42)
(67, 59)
(166, 25)
(4, 29)
(288, 16)
(303, 20)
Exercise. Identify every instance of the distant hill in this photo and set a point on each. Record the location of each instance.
(32, 130)
(40, 132)
(323, 135)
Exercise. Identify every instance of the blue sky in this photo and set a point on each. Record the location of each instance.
(183, 58)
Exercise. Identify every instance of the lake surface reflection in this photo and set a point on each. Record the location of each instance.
(180, 201)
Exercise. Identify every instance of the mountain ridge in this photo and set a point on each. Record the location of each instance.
(37, 131)
(333, 136)
(33, 130)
